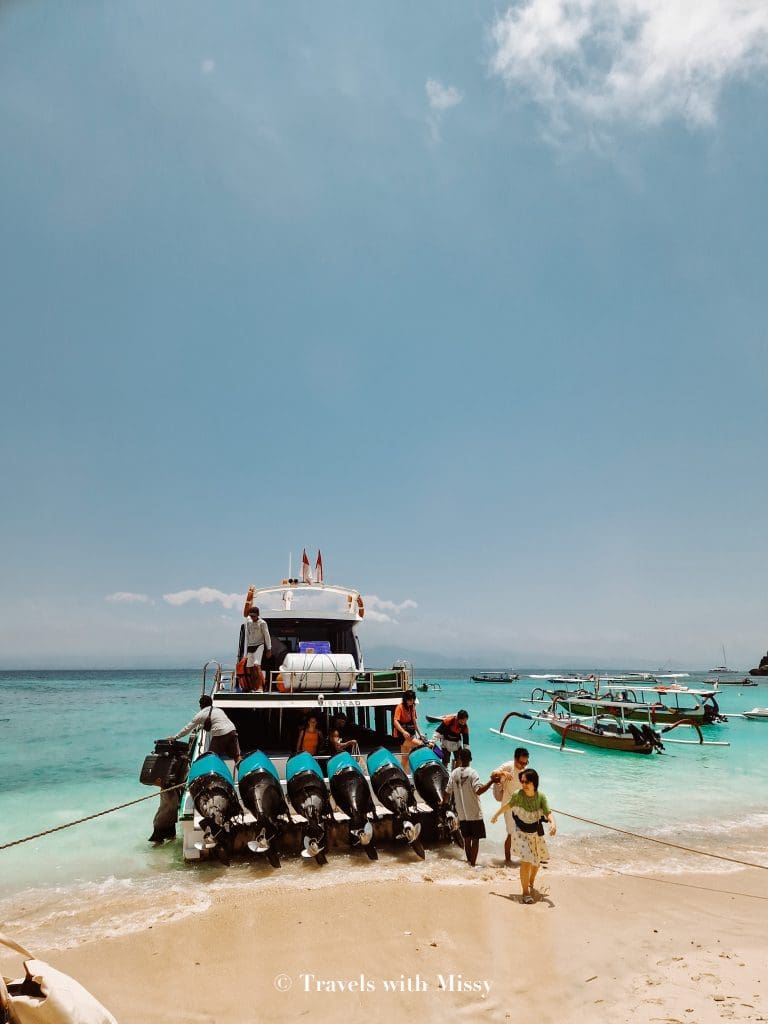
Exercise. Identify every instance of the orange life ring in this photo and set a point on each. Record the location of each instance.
(360, 607)
(248, 601)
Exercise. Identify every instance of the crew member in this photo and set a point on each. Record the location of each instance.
(257, 643)
(224, 741)
(405, 727)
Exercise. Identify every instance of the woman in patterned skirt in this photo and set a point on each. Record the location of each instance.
(529, 809)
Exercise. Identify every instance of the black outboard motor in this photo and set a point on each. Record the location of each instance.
(307, 792)
(262, 794)
(393, 789)
(167, 767)
(212, 788)
(353, 797)
(430, 776)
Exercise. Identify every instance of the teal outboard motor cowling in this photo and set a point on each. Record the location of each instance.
(393, 789)
(430, 777)
(309, 797)
(262, 794)
(212, 788)
(353, 797)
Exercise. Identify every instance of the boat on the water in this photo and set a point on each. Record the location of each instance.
(276, 801)
(757, 714)
(495, 677)
(718, 681)
(654, 704)
(426, 687)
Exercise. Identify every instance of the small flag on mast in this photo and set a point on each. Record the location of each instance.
(319, 568)
(306, 575)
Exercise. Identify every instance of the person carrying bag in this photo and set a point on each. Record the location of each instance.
(47, 996)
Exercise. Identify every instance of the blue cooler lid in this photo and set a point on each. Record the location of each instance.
(420, 756)
(381, 757)
(258, 759)
(303, 762)
(209, 764)
(340, 761)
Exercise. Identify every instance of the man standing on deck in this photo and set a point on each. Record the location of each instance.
(257, 642)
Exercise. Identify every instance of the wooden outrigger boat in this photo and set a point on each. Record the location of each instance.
(653, 704)
(604, 731)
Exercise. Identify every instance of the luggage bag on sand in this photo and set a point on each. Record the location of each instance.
(47, 996)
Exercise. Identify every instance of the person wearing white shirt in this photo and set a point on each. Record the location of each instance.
(257, 643)
(224, 741)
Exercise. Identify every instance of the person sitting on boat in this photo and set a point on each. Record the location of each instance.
(310, 738)
(224, 741)
(257, 643)
(451, 733)
(336, 742)
(530, 808)
(405, 727)
(506, 782)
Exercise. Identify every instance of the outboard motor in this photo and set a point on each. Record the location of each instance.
(394, 790)
(167, 768)
(430, 776)
(212, 788)
(307, 793)
(353, 797)
(262, 794)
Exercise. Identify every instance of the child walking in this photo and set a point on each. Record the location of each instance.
(465, 787)
(529, 808)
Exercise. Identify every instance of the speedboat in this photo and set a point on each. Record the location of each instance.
(317, 668)
(757, 714)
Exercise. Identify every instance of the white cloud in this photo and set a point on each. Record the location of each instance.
(607, 61)
(204, 595)
(379, 610)
(126, 597)
(442, 97)
(208, 66)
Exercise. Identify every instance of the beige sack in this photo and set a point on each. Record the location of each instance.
(46, 996)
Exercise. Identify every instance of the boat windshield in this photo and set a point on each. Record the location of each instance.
(316, 599)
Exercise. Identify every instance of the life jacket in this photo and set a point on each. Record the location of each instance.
(240, 682)
(451, 728)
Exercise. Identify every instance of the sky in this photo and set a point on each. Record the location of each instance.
(471, 297)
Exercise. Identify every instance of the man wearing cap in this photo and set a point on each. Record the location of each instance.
(224, 741)
(257, 641)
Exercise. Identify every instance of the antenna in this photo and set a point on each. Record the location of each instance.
(290, 562)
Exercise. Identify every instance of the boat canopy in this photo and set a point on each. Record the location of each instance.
(309, 600)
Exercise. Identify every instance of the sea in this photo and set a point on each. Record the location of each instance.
(72, 744)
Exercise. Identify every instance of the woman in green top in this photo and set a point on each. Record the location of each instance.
(529, 807)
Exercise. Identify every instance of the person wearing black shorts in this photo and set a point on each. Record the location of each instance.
(465, 787)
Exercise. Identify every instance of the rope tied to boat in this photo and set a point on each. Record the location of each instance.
(663, 842)
(89, 817)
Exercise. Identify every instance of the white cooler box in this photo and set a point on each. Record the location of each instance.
(318, 672)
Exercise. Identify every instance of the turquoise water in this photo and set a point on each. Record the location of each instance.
(72, 744)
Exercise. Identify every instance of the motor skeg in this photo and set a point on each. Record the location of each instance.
(394, 790)
(430, 777)
(262, 794)
(212, 789)
(352, 795)
(309, 797)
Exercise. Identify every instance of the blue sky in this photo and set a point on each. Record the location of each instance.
(472, 297)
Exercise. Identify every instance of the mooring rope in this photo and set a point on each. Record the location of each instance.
(89, 817)
(663, 842)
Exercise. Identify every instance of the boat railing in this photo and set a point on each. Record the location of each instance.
(320, 681)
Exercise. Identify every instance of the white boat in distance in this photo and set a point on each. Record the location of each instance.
(757, 714)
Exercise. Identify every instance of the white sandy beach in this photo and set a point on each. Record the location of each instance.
(619, 948)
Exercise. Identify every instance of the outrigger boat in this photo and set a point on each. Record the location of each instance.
(276, 801)
(604, 731)
(654, 704)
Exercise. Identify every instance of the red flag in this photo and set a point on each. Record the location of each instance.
(319, 568)
(306, 575)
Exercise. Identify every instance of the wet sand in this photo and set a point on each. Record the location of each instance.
(618, 948)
